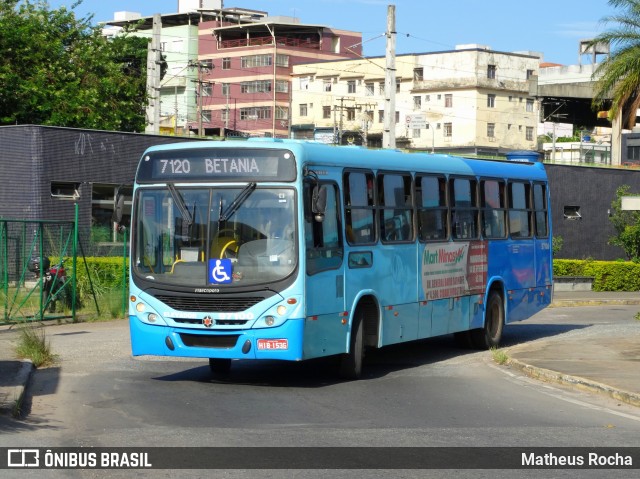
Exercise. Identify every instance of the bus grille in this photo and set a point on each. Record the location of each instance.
(223, 305)
(227, 341)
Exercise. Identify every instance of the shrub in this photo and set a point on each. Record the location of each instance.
(607, 275)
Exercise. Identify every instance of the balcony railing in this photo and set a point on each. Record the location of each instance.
(261, 41)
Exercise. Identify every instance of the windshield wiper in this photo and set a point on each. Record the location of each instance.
(237, 202)
(179, 201)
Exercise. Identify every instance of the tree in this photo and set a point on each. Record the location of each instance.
(56, 69)
(618, 77)
(627, 226)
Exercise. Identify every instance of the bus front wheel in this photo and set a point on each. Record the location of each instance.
(219, 366)
(351, 362)
(490, 334)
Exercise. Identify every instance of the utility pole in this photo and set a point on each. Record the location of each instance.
(389, 134)
(199, 90)
(153, 78)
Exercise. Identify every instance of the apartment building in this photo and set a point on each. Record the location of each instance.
(246, 83)
(471, 100)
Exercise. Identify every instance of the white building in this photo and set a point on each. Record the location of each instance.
(470, 100)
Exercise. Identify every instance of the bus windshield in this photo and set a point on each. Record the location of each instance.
(203, 236)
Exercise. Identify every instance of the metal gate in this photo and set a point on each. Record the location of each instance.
(38, 265)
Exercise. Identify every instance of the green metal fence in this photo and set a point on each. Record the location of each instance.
(29, 249)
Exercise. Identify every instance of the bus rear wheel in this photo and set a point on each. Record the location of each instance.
(490, 334)
(351, 362)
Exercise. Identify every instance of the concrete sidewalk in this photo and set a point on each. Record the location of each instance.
(606, 365)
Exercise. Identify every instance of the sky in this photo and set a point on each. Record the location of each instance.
(551, 27)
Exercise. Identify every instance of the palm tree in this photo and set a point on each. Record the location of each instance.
(618, 77)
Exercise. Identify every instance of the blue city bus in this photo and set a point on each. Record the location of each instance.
(274, 249)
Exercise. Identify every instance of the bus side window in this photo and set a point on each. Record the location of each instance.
(540, 206)
(431, 201)
(464, 208)
(396, 207)
(493, 204)
(323, 241)
(359, 202)
(519, 209)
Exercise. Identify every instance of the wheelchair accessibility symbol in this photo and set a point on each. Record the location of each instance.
(220, 271)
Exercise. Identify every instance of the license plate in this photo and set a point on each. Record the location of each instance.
(271, 344)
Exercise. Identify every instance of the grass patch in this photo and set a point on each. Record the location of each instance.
(637, 316)
(34, 345)
(499, 356)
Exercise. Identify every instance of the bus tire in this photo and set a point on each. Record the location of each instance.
(490, 334)
(219, 367)
(351, 362)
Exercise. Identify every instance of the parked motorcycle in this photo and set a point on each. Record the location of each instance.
(55, 287)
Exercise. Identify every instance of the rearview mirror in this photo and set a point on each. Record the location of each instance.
(319, 202)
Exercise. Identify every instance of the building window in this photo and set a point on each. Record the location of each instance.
(417, 102)
(491, 100)
(416, 133)
(303, 109)
(369, 89)
(226, 89)
(326, 112)
(633, 152)
(448, 100)
(351, 86)
(282, 113)
(380, 116)
(326, 84)
(572, 212)
(254, 61)
(529, 106)
(491, 130)
(255, 113)
(206, 116)
(530, 73)
(397, 87)
(256, 86)
(206, 89)
(418, 74)
(63, 189)
(529, 133)
(351, 114)
(282, 60)
(448, 129)
(282, 86)
(226, 63)
(381, 88)
(491, 71)
(397, 117)
(427, 98)
(304, 83)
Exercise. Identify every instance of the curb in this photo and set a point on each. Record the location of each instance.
(11, 397)
(583, 384)
(593, 302)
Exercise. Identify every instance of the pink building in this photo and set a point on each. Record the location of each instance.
(246, 59)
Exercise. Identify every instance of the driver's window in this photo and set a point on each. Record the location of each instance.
(323, 240)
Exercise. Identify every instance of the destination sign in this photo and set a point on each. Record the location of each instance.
(217, 164)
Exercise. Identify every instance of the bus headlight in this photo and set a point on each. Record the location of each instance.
(152, 318)
(269, 320)
(281, 310)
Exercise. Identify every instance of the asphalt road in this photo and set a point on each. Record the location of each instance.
(428, 393)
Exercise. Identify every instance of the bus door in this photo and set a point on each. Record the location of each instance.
(324, 333)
